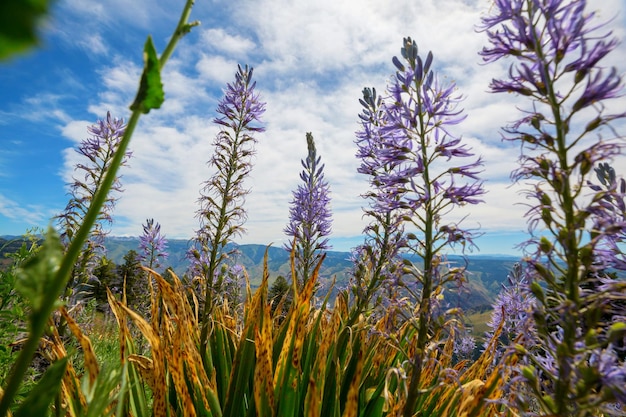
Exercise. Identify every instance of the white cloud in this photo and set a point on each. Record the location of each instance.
(76, 130)
(44, 106)
(216, 69)
(95, 44)
(311, 61)
(220, 40)
(30, 214)
(122, 77)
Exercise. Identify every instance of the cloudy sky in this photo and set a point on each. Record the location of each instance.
(311, 60)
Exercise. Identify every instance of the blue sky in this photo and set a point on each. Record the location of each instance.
(311, 61)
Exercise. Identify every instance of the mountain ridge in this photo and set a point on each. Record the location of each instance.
(486, 273)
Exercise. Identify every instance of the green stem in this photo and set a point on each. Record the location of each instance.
(569, 242)
(181, 30)
(217, 244)
(374, 283)
(39, 319)
(427, 284)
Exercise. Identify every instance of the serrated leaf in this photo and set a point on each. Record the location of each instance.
(44, 392)
(18, 25)
(150, 95)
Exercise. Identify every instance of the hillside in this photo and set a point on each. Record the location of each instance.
(9, 245)
(485, 277)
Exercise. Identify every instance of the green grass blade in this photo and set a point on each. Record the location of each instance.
(221, 358)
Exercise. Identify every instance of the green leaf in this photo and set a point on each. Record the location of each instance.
(18, 25)
(150, 95)
(103, 393)
(36, 276)
(44, 392)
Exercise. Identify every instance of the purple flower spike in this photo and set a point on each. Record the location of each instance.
(414, 131)
(464, 347)
(152, 245)
(408, 150)
(310, 216)
(377, 261)
(221, 212)
(513, 306)
(98, 151)
(576, 226)
(241, 106)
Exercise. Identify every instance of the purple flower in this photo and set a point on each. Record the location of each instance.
(513, 306)
(600, 87)
(555, 54)
(412, 134)
(221, 212)
(152, 245)
(377, 264)
(410, 153)
(98, 151)
(547, 40)
(231, 281)
(198, 262)
(608, 210)
(241, 108)
(612, 373)
(464, 347)
(237, 271)
(542, 35)
(599, 373)
(310, 218)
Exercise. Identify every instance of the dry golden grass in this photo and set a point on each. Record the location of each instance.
(311, 363)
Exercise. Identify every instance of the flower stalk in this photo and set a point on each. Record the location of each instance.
(152, 245)
(98, 151)
(407, 147)
(221, 213)
(555, 53)
(310, 218)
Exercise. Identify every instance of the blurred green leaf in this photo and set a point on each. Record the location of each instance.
(35, 278)
(103, 393)
(44, 392)
(18, 25)
(616, 332)
(150, 95)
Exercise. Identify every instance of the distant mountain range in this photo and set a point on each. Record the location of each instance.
(486, 273)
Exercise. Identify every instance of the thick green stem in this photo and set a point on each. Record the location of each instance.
(428, 277)
(39, 319)
(182, 29)
(569, 242)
